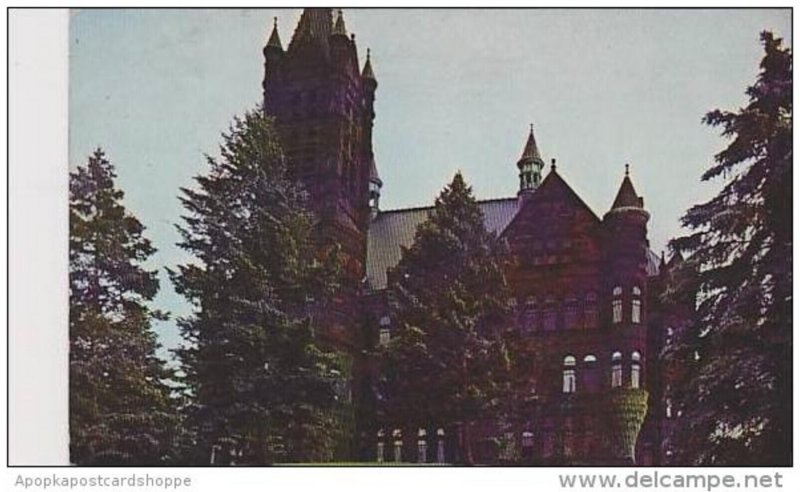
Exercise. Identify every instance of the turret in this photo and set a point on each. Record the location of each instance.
(375, 185)
(530, 166)
(273, 58)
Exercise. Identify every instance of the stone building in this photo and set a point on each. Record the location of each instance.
(586, 287)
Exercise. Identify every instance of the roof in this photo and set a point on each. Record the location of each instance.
(392, 230)
(531, 150)
(315, 27)
(626, 196)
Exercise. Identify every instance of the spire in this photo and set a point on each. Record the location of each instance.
(274, 38)
(367, 73)
(339, 27)
(626, 196)
(530, 165)
(531, 151)
(315, 27)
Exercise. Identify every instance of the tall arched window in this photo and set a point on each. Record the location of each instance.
(570, 313)
(380, 446)
(636, 305)
(550, 315)
(590, 311)
(568, 381)
(616, 369)
(398, 445)
(616, 305)
(636, 369)
(384, 335)
(530, 313)
(422, 446)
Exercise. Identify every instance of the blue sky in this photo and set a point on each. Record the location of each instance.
(457, 90)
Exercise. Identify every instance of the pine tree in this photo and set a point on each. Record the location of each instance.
(735, 381)
(121, 412)
(448, 297)
(263, 386)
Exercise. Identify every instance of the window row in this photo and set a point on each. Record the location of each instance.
(569, 375)
(395, 440)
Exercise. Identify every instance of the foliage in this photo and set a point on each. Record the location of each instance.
(735, 386)
(264, 388)
(627, 408)
(448, 297)
(121, 412)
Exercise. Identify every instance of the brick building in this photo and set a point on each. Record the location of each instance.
(586, 287)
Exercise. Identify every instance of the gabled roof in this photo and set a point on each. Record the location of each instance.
(554, 186)
(392, 230)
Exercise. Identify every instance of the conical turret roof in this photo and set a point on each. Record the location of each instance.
(367, 73)
(531, 150)
(274, 38)
(626, 196)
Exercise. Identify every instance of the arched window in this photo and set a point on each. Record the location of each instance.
(590, 358)
(616, 370)
(636, 306)
(636, 369)
(616, 305)
(380, 449)
(529, 315)
(422, 446)
(550, 315)
(590, 311)
(568, 382)
(384, 335)
(440, 445)
(570, 313)
(398, 445)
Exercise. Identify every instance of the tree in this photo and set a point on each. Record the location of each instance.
(448, 297)
(735, 387)
(121, 412)
(263, 386)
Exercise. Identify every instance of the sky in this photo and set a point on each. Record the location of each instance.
(457, 90)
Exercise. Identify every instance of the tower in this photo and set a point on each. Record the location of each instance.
(530, 166)
(323, 107)
(626, 282)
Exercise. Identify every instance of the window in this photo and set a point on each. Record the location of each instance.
(398, 445)
(636, 306)
(550, 316)
(616, 305)
(571, 313)
(384, 335)
(636, 370)
(379, 452)
(635, 375)
(440, 445)
(590, 358)
(668, 408)
(590, 311)
(529, 315)
(422, 447)
(568, 383)
(616, 370)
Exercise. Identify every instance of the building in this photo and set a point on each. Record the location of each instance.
(587, 287)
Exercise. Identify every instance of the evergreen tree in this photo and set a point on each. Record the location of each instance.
(120, 407)
(263, 386)
(735, 380)
(449, 298)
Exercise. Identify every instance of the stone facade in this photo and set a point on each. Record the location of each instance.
(587, 288)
